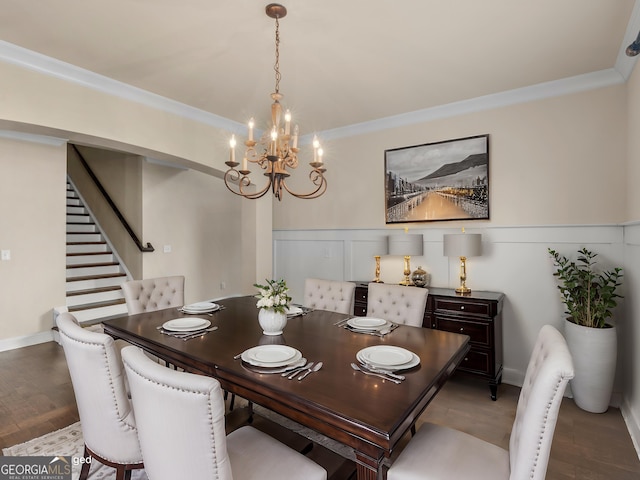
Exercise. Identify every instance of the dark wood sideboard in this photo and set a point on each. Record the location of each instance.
(478, 315)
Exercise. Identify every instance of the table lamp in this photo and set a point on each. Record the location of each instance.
(462, 245)
(406, 245)
(383, 249)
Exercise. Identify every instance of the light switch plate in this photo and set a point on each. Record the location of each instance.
(5, 255)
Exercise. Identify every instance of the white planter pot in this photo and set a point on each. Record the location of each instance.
(272, 322)
(594, 352)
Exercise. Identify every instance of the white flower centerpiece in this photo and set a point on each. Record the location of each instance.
(273, 303)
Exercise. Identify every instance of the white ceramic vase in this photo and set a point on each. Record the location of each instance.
(272, 322)
(594, 352)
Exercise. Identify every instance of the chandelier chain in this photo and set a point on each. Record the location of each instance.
(276, 67)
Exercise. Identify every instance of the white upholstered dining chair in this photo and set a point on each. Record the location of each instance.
(181, 427)
(397, 303)
(331, 295)
(106, 414)
(153, 293)
(441, 453)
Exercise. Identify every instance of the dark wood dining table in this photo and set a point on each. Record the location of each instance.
(366, 413)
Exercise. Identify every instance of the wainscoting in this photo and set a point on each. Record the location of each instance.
(514, 261)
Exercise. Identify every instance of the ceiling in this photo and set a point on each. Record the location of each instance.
(343, 62)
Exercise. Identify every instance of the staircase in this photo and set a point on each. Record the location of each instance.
(94, 273)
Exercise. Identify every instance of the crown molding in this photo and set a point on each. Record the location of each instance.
(31, 60)
(46, 65)
(33, 138)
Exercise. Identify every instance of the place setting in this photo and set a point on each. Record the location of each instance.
(368, 325)
(296, 311)
(186, 328)
(278, 359)
(200, 308)
(384, 361)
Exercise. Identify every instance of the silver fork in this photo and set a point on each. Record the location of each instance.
(308, 366)
(379, 375)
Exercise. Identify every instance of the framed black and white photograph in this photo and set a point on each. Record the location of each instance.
(446, 180)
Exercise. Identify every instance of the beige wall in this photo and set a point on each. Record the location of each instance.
(32, 227)
(204, 225)
(556, 161)
(633, 154)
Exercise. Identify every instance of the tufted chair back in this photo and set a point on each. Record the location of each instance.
(550, 369)
(106, 414)
(397, 303)
(153, 294)
(182, 430)
(334, 296)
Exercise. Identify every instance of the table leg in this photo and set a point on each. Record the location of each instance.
(366, 468)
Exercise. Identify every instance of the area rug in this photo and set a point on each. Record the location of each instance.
(68, 442)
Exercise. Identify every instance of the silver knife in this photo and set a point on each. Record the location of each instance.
(383, 371)
(314, 369)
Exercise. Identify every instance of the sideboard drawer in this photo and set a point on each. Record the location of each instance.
(477, 361)
(466, 306)
(479, 332)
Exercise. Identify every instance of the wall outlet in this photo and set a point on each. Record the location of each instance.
(223, 285)
(166, 249)
(5, 255)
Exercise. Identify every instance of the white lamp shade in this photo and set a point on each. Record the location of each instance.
(462, 244)
(406, 244)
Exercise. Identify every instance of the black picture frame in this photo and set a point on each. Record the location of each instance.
(439, 181)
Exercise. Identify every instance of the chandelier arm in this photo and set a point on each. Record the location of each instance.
(242, 182)
(317, 178)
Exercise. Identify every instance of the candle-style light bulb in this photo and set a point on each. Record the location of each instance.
(232, 144)
(251, 125)
(287, 122)
(294, 143)
(320, 153)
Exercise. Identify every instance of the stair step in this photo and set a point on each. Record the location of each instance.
(94, 290)
(84, 237)
(88, 297)
(76, 210)
(86, 247)
(82, 228)
(95, 315)
(94, 281)
(73, 202)
(90, 258)
(92, 269)
(79, 218)
(91, 306)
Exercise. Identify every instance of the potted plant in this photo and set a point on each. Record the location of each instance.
(589, 296)
(273, 303)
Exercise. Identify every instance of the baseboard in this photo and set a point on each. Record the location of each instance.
(26, 341)
(633, 426)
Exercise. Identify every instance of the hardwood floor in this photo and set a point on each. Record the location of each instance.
(36, 397)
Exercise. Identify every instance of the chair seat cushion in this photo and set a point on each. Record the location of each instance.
(441, 453)
(256, 455)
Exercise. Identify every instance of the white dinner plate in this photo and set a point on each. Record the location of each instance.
(201, 306)
(271, 355)
(293, 311)
(415, 361)
(386, 355)
(366, 323)
(189, 324)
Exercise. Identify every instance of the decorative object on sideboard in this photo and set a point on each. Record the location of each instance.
(406, 244)
(446, 180)
(462, 245)
(420, 277)
(382, 249)
(589, 296)
(279, 145)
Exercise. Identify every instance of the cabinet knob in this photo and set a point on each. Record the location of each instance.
(461, 307)
(433, 326)
(462, 329)
(466, 359)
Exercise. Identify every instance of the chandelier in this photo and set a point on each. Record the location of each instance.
(277, 149)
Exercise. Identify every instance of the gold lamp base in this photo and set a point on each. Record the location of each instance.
(463, 289)
(377, 279)
(407, 271)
